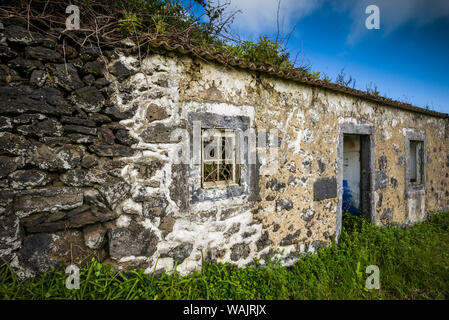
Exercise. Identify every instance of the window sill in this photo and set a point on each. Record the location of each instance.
(220, 187)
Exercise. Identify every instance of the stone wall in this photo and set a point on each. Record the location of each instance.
(89, 138)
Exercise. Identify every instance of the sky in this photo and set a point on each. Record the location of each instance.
(407, 58)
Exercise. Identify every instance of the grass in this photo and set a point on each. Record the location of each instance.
(413, 264)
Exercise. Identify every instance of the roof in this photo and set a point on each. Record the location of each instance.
(288, 74)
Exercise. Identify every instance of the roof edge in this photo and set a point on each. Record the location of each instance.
(157, 45)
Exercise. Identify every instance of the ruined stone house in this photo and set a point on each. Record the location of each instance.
(91, 143)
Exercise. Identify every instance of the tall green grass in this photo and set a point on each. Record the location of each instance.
(413, 263)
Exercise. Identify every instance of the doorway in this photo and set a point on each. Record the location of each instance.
(357, 175)
(355, 172)
(351, 174)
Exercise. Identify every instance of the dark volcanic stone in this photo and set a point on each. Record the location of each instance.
(5, 123)
(78, 121)
(290, 239)
(9, 232)
(159, 133)
(116, 114)
(84, 177)
(36, 253)
(63, 157)
(381, 180)
(283, 204)
(121, 71)
(180, 252)
(14, 144)
(94, 236)
(7, 165)
(81, 138)
(7, 52)
(80, 129)
(89, 161)
(325, 188)
(41, 53)
(106, 135)
(38, 78)
(16, 100)
(89, 80)
(307, 214)
(65, 76)
(101, 82)
(25, 65)
(96, 68)
(123, 137)
(24, 179)
(275, 185)
(49, 199)
(111, 150)
(133, 240)
(114, 191)
(394, 182)
(88, 217)
(98, 117)
(382, 163)
(89, 53)
(28, 118)
(263, 242)
(67, 51)
(155, 206)
(239, 251)
(20, 36)
(88, 99)
(47, 127)
(9, 76)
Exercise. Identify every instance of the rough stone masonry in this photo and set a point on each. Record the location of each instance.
(87, 153)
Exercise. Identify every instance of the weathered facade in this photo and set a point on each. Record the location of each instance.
(98, 158)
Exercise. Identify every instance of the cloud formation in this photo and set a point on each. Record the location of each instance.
(259, 16)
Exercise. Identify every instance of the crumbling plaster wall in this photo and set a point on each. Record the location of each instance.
(88, 160)
(307, 120)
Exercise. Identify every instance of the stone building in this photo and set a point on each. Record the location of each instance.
(147, 161)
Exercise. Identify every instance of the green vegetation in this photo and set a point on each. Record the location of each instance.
(413, 263)
(196, 23)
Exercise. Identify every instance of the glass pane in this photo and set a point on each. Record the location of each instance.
(210, 171)
(226, 172)
(210, 148)
(229, 149)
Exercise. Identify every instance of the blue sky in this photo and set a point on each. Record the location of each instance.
(407, 58)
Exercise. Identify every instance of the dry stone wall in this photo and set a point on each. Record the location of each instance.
(89, 138)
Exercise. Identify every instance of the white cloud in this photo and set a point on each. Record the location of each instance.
(260, 16)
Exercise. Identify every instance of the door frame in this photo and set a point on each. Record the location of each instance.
(367, 154)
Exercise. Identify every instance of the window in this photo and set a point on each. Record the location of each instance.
(416, 162)
(219, 166)
(218, 158)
